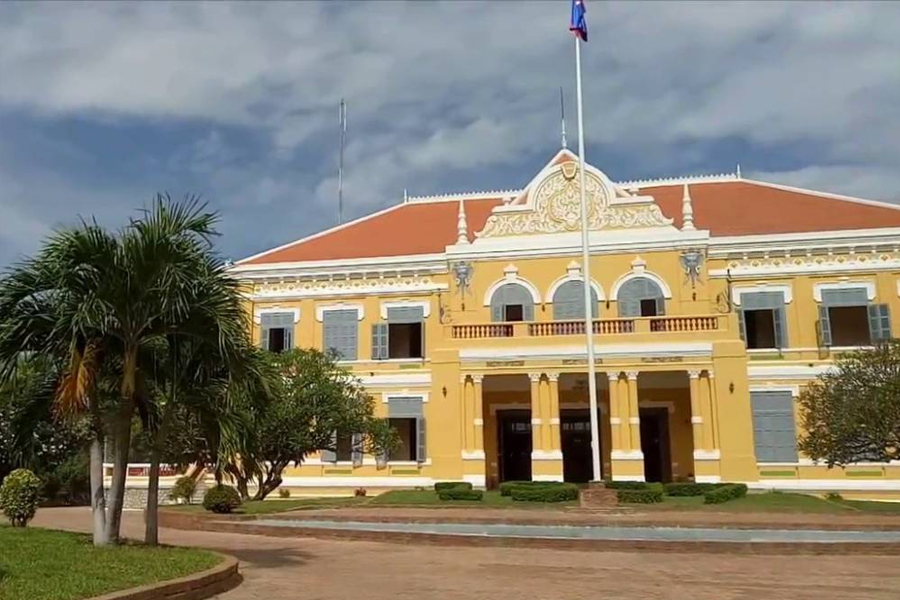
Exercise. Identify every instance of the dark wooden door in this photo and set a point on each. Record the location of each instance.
(515, 445)
(655, 444)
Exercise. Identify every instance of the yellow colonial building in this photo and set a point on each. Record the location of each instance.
(715, 299)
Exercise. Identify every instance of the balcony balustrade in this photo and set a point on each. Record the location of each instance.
(662, 324)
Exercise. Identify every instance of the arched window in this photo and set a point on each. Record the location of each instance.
(512, 302)
(568, 301)
(640, 297)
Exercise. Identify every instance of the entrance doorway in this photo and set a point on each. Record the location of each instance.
(575, 438)
(655, 444)
(514, 434)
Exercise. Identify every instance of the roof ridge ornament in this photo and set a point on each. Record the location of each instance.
(712, 177)
(687, 210)
(462, 229)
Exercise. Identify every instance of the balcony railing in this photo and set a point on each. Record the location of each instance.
(663, 324)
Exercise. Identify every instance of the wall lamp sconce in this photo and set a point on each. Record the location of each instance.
(444, 391)
(731, 387)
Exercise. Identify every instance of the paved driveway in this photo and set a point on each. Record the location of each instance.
(310, 569)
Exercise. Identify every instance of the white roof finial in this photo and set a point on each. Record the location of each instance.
(462, 229)
(687, 211)
(738, 170)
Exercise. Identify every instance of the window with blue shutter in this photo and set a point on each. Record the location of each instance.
(277, 331)
(640, 297)
(763, 320)
(568, 302)
(847, 319)
(774, 433)
(340, 332)
(407, 417)
(512, 302)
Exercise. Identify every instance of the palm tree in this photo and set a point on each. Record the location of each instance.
(101, 300)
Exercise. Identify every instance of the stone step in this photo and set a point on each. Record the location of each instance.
(597, 496)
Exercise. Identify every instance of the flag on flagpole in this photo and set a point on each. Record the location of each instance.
(578, 24)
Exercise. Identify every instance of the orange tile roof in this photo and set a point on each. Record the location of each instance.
(732, 208)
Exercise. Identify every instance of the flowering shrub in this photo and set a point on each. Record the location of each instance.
(19, 496)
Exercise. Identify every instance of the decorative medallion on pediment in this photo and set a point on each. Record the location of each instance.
(554, 206)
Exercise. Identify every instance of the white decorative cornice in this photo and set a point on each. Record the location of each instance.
(688, 179)
(425, 305)
(321, 309)
(784, 289)
(845, 284)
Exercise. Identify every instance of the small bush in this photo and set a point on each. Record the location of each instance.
(221, 499)
(627, 485)
(507, 487)
(448, 485)
(646, 496)
(833, 497)
(688, 488)
(183, 490)
(360, 492)
(724, 493)
(284, 493)
(460, 493)
(563, 492)
(19, 496)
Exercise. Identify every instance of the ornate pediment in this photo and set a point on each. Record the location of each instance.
(553, 205)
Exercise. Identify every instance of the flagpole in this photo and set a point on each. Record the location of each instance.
(586, 271)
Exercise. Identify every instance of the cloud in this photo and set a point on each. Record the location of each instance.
(443, 96)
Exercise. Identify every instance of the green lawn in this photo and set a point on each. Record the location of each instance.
(265, 507)
(430, 498)
(774, 502)
(39, 564)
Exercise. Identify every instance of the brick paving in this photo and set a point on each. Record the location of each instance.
(312, 569)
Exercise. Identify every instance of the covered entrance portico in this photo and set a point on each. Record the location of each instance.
(654, 426)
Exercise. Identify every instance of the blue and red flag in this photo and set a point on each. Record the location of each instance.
(578, 24)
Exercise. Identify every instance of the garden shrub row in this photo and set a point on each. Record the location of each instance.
(689, 488)
(460, 493)
(507, 487)
(558, 492)
(640, 496)
(449, 485)
(724, 493)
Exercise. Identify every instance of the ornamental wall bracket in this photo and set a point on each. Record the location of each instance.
(462, 272)
(692, 263)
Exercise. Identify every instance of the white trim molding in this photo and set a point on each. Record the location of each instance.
(259, 312)
(824, 485)
(537, 455)
(396, 381)
(680, 349)
(558, 478)
(425, 305)
(845, 284)
(386, 396)
(511, 275)
(707, 454)
(785, 289)
(626, 455)
(574, 274)
(784, 372)
(793, 389)
(477, 481)
(707, 479)
(639, 272)
(473, 455)
(321, 309)
(351, 481)
(628, 477)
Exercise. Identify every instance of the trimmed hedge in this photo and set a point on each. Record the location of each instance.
(640, 496)
(19, 496)
(221, 499)
(560, 492)
(724, 493)
(507, 486)
(449, 485)
(184, 489)
(689, 488)
(460, 493)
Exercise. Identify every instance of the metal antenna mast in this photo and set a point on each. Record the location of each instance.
(562, 112)
(343, 122)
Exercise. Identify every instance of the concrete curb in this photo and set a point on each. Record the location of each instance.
(199, 586)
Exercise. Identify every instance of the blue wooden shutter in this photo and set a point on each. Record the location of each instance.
(879, 322)
(511, 294)
(265, 321)
(421, 448)
(380, 341)
(824, 326)
(340, 331)
(568, 302)
(774, 432)
(773, 301)
(356, 444)
(742, 324)
(330, 455)
(633, 291)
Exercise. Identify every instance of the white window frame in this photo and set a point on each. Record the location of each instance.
(259, 312)
(844, 285)
(321, 309)
(425, 305)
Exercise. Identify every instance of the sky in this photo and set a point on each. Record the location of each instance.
(103, 105)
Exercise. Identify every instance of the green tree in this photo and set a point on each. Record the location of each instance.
(852, 414)
(314, 401)
(100, 301)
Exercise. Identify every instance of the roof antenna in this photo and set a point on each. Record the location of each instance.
(562, 111)
(343, 124)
